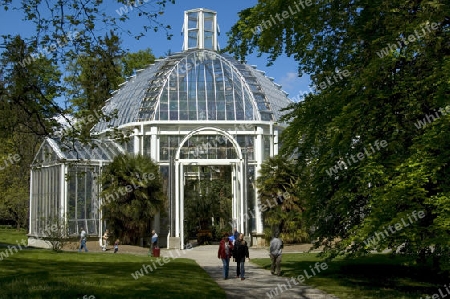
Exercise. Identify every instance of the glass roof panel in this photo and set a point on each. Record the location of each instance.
(207, 87)
(196, 85)
(75, 150)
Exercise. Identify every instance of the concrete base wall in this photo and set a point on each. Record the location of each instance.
(258, 240)
(174, 243)
(39, 243)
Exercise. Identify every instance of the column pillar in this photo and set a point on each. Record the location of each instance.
(177, 199)
(136, 143)
(181, 194)
(154, 144)
(242, 197)
(275, 142)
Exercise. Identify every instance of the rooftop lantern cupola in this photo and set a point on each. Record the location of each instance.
(200, 29)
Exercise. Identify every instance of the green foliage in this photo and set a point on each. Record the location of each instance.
(28, 111)
(56, 232)
(93, 76)
(206, 198)
(67, 44)
(277, 186)
(391, 85)
(135, 61)
(132, 195)
(27, 94)
(54, 21)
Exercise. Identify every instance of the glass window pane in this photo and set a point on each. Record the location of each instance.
(164, 148)
(209, 21)
(192, 20)
(193, 39)
(208, 40)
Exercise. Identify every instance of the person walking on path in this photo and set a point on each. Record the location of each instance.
(83, 241)
(240, 252)
(224, 253)
(116, 246)
(276, 248)
(105, 240)
(154, 241)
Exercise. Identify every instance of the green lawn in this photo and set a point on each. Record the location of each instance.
(35, 273)
(375, 276)
(10, 236)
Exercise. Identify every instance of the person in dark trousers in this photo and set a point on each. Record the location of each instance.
(116, 246)
(154, 242)
(83, 241)
(276, 248)
(240, 252)
(224, 253)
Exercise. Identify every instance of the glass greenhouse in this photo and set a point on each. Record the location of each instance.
(193, 108)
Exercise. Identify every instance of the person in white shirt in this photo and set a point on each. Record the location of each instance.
(105, 240)
(154, 242)
(83, 241)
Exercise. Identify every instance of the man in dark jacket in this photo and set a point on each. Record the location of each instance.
(240, 252)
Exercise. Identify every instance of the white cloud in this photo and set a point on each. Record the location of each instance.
(295, 86)
(289, 80)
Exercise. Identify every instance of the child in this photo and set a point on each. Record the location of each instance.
(105, 240)
(116, 246)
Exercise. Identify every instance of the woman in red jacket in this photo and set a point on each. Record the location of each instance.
(224, 253)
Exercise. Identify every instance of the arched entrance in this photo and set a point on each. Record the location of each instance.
(201, 158)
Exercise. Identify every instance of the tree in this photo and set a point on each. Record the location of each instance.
(277, 186)
(132, 195)
(28, 95)
(94, 76)
(66, 31)
(31, 73)
(28, 112)
(377, 69)
(135, 61)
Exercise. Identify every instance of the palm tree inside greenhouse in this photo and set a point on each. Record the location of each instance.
(208, 202)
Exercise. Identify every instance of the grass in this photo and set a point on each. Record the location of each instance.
(374, 276)
(10, 236)
(39, 273)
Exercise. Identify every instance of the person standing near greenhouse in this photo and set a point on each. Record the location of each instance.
(105, 240)
(154, 242)
(224, 253)
(83, 241)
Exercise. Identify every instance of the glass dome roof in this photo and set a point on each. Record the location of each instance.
(198, 84)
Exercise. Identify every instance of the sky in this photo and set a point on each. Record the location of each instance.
(284, 70)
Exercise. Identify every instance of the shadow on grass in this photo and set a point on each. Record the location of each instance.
(45, 274)
(375, 276)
